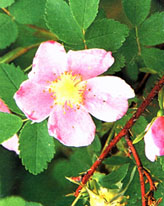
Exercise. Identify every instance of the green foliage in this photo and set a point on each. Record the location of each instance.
(10, 124)
(139, 126)
(84, 11)
(36, 147)
(6, 3)
(10, 80)
(136, 39)
(12, 201)
(28, 12)
(161, 160)
(118, 64)
(136, 11)
(114, 177)
(7, 172)
(107, 34)
(7, 36)
(130, 48)
(60, 21)
(149, 31)
(132, 71)
(156, 61)
(117, 160)
(17, 201)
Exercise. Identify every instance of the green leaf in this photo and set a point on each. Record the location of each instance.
(132, 71)
(107, 34)
(95, 147)
(116, 176)
(85, 162)
(17, 201)
(118, 64)
(139, 137)
(33, 204)
(139, 126)
(84, 11)
(116, 160)
(28, 12)
(61, 22)
(154, 59)
(7, 173)
(11, 201)
(10, 80)
(136, 10)
(9, 125)
(129, 48)
(147, 70)
(6, 3)
(36, 147)
(7, 36)
(161, 101)
(161, 160)
(151, 31)
(100, 15)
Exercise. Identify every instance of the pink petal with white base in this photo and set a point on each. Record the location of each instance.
(90, 62)
(49, 62)
(12, 144)
(151, 150)
(72, 128)
(105, 99)
(154, 139)
(34, 101)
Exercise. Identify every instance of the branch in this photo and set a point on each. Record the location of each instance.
(151, 183)
(139, 167)
(122, 133)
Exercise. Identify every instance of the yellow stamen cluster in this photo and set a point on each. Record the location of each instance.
(67, 89)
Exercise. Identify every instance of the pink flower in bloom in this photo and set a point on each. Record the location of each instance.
(12, 143)
(154, 139)
(64, 87)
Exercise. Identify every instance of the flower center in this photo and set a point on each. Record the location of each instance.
(66, 90)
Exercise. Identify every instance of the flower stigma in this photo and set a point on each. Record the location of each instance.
(67, 90)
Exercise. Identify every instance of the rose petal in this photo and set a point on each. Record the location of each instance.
(12, 144)
(157, 130)
(151, 150)
(49, 62)
(106, 97)
(154, 139)
(90, 62)
(3, 107)
(34, 101)
(72, 128)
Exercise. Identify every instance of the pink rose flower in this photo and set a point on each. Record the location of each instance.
(154, 139)
(64, 87)
(12, 143)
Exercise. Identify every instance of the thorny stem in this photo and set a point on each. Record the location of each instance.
(151, 183)
(122, 133)
(139, 167)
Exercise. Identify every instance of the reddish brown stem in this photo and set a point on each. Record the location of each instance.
(122, 133)
(139, 167)
(152, 186)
